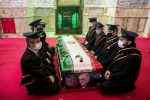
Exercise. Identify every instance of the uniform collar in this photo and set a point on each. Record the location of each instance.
(34, 51)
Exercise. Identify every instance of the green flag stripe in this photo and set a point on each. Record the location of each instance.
(64, 56)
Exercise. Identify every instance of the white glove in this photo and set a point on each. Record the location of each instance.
(86, 43)
(93, 52)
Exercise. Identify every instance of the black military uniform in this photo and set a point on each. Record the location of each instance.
(100, 40)
(36, 73)
(124, 69)
(33, 24)
(109, 50)
(90, 34)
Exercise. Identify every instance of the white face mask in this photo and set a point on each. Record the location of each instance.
(121, 44)
(97, 32)
(38, 46)
(91, 24)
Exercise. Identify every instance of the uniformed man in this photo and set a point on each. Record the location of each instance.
(110, 48)
(38, 26)
(99, 39)
(121, 75)
(38, 78)
(91, 32)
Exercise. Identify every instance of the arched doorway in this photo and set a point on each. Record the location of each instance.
(68, 17)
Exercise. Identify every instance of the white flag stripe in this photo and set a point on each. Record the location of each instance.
(75, 49)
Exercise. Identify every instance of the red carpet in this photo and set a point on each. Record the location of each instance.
(11, 51)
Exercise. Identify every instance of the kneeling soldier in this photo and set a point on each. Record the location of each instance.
(38, 78)
(123, 72)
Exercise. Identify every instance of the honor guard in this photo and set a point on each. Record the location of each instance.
(38, 77)
(121, 75)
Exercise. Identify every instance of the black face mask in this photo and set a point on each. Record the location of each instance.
(39, 29)
(109, 34)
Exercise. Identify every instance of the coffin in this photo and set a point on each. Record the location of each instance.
(78, 67)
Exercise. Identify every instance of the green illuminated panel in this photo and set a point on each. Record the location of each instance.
(75, 17)
(59, 20)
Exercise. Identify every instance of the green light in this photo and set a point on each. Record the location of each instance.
(75, 17)
(59, 20)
